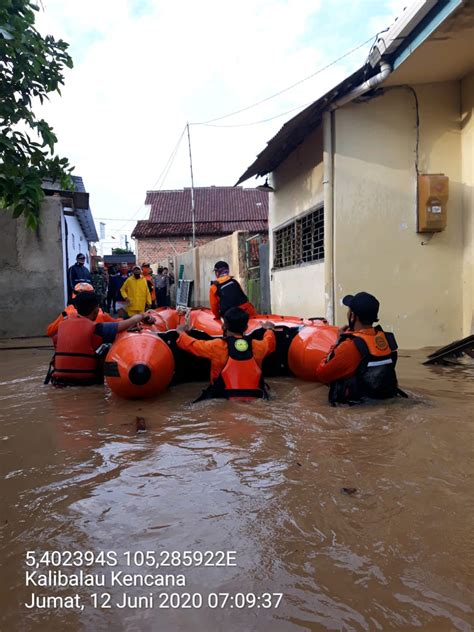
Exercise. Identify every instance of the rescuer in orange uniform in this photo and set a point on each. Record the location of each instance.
(102, 317)
(236, 360)
(362, 362)
(226, 292)
(76, 360)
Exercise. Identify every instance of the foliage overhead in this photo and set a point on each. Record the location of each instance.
(31, 66)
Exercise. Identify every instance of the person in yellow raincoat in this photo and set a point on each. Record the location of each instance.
(135, 291)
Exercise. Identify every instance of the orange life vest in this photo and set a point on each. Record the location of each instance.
(241, 377)
(375, 376)
(75, 360)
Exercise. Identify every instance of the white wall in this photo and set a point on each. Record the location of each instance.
(77, 241)
(298, 184)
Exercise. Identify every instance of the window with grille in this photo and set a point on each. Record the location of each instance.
(300, 241)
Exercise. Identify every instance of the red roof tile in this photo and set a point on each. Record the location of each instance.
(219, 211)
(157, 229)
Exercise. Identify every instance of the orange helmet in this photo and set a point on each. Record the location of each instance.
(82, 287)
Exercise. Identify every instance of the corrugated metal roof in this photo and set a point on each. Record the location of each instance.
(294, 132)
(297, 129)
(81, 204)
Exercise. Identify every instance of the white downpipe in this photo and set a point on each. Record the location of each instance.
(328, 181)
(328, 156)
(370, 84)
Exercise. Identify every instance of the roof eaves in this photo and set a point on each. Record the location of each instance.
(300, 126)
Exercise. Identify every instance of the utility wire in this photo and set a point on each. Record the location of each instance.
(298, 107)
(161, 179)
(293, 85)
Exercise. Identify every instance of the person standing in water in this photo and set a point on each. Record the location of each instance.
(236, 360)
(362, 362)
(102, 317)
(77, 359)
(225, 292)
(135, 291)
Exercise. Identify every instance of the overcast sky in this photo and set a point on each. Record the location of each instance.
(143, 68)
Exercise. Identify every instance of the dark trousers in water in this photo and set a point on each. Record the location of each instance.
(112, 302)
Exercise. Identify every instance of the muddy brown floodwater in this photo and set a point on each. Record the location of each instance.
(264, 480)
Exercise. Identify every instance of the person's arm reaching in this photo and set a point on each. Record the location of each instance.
(214, 301)
(53, 327)
(108, 331)
(341, 362)
(200, 348)
(262, 348)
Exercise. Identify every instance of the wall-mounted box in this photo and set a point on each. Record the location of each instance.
(433, 192)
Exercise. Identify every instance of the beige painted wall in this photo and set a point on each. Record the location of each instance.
(377, 248)
(199, 264)
(298, 182)
(299, 291)
(467, 150)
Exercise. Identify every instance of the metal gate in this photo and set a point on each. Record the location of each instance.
(258, 276)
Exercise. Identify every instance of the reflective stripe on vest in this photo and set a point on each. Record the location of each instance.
(380, 362)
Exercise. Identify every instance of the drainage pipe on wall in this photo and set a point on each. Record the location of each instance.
(328, 181)
(328, 194)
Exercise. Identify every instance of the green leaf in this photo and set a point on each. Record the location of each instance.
(32, 67)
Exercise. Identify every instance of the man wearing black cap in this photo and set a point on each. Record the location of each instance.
(78, 273)
(226, 292)
(362, 362)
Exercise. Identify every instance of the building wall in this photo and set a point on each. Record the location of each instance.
(377, 248)
(76, 241)
(467, 152)
(298, 183)
(159, 249)
(32, 272)
(199, 264)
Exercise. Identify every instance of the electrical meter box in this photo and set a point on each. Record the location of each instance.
(433, 191)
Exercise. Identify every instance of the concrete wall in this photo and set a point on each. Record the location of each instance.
(377, 248)
(199, 264)
(32, 272)
(298, 183)
(467, 152)
(299, 291)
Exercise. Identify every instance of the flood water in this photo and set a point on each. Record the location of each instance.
(264, 480)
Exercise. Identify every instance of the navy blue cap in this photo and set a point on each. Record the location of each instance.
(364, 305)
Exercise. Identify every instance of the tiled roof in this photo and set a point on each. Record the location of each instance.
(213, 204)
(219, 211)
(158, 229)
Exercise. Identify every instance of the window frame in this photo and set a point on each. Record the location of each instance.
(296, 222)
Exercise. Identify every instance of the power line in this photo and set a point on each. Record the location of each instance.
(293, 85)
(271, 118)
(161, 178)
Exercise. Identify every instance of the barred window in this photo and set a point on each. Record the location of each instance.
(300, 241)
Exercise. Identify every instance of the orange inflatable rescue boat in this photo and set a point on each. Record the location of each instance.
(143, 363)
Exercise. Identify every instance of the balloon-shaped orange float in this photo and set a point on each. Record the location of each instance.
(139, 365)
(309, 347)
(142, 364)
